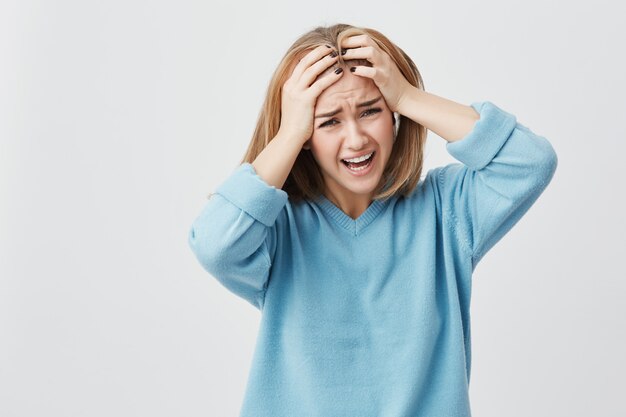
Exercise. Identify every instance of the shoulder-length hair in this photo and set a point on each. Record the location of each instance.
(305, 181)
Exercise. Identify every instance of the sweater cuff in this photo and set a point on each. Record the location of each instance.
(482, 143)
(248, 191)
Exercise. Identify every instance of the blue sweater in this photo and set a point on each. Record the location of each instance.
(370, 317)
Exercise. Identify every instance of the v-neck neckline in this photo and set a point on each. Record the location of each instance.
(354, 226)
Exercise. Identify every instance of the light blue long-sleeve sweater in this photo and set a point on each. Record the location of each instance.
(371, 317)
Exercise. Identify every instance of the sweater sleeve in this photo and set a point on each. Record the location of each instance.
(504, 168)
(234, 236)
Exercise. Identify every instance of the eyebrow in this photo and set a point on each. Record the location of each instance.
(334, 112)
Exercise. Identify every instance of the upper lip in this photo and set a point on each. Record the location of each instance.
(359, 155)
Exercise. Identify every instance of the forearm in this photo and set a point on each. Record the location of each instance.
(274, 163)
(450, 120)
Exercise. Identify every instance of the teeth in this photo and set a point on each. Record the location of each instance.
(362, 158)
(358, 169)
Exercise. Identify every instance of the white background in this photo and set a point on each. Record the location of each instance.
(119, 117)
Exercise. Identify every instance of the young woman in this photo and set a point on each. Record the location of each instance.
(361, 269)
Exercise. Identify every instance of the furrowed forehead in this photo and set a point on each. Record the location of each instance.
(334, 98)
(349, 87)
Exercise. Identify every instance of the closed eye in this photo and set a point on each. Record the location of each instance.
(366, 113)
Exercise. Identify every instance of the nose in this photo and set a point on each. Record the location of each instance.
(355, 136)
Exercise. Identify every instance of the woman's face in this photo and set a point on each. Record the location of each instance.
(356, 129)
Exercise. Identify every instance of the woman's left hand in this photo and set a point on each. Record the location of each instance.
(384, 72)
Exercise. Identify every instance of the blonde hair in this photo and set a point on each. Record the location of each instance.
(305, 181)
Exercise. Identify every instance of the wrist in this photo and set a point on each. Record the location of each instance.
(408, 103)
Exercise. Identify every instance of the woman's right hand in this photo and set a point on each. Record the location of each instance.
(300, 92)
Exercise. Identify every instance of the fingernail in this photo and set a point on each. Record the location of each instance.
(352, 69)
(333, 54)
(338, 70)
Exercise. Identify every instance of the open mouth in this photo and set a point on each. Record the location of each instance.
(359, 167)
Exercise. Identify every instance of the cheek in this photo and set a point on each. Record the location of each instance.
(324, 149)
(383, 129)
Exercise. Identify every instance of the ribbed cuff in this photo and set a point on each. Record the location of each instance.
(248, 191)
(484, 141)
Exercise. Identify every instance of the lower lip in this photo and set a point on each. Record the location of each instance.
(363, 171)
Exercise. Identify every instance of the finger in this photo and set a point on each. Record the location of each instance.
(363, 71)
(311, 57)
(325, 81)
(366, 52)
(316, 69)
(356, 41)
